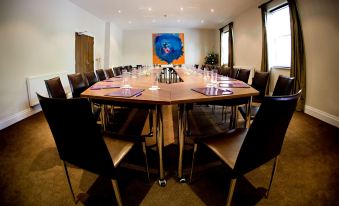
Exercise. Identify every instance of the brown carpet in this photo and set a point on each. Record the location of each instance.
(308, 172)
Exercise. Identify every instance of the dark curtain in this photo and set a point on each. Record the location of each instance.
(298, 66)
(230, 45)
(264, 50)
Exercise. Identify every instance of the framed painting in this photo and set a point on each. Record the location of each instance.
(168, 48)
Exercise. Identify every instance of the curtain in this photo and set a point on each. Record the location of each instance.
(298, 67)
(230, 45)
(264, 50)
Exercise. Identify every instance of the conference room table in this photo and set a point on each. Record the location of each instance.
(179, 93)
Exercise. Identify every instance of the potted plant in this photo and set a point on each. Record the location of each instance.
(212, 58)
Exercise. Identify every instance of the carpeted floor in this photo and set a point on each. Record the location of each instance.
(308, 172)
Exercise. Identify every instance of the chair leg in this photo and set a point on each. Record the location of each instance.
(193, 160)
(117, 192)
(275, 164)
(230, 192)
(150, 122)
(146, 161)
(69, 183)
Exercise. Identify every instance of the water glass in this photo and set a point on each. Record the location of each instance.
(126, 79)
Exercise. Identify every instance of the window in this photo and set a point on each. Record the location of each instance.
(224, 48)
(279, 37)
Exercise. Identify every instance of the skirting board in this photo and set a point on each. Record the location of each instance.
(19, 116)
(326, 117)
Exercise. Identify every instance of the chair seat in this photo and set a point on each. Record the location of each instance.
(117, 148)
(226, 145)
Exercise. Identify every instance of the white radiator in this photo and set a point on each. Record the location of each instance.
(36, 84)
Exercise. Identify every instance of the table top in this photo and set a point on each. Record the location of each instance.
(175, 93)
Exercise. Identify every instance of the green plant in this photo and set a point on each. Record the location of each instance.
(212, 58)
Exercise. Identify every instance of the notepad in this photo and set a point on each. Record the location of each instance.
(98, 86)
(212, 91)
(225, 79)
(113, 80)
(125, 92)
(234, 85)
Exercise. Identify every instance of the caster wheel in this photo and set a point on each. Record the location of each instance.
(162, 183)
(182, 180)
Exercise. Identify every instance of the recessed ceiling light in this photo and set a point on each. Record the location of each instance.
(181, 8)
(202, 21)
(119, 11)
(130, 22)
(212, 10)
(153, 21)
(149, 9)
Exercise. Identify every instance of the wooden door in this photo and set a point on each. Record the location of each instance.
(84, 59)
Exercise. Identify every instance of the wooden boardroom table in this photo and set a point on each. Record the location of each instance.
(169, 94)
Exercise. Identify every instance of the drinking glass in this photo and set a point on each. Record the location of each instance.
(125, 79)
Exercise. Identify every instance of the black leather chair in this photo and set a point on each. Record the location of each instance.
(117, 71)
(282, 87)
(243, 75)
(101, 74)
(91, 78)
(109, 73)
(243, 150)
(80, 142)
(77, 84)
(55, 88)
(259, 83)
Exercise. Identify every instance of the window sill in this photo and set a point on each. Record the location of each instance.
(281, 67)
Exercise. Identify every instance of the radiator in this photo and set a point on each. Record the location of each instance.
(36, 84)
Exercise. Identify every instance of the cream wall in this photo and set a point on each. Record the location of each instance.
(116, 40)
(247, 38)
(137, 45)
(320, 22)
(37, 38)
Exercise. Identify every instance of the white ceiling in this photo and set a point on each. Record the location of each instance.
(141, 14)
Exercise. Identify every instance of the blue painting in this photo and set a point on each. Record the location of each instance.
(168, 48)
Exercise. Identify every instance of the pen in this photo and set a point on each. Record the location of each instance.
(138, 94)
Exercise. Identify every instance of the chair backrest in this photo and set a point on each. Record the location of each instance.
(233, 72)
(91, 78)
(225, 70)
(283, 86)
(266, 134)
(76, 134)
(101, 74)
(77, 84)
(259, 82)
(55, 88)
(243, 75)
(109, 73)
(117, 71)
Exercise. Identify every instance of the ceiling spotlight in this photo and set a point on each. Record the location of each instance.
(202, 21)
(181, 8)
(212, 10)
(130, 22)
(119, 11)
(178, 20)
(153, 21)
(149, 9)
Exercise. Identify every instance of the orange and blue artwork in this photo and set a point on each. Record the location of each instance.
(168, 48)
